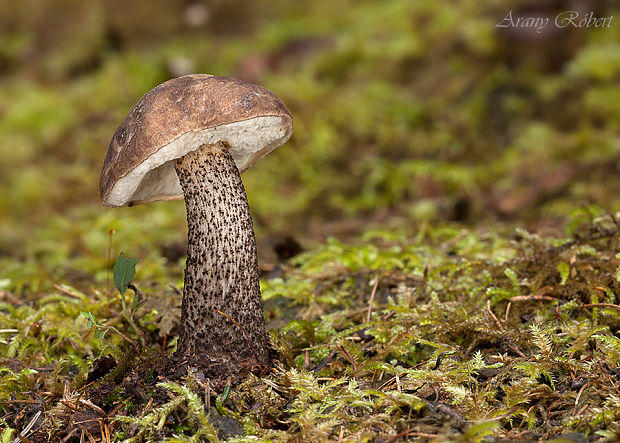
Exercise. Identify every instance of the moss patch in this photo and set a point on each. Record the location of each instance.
(450, 334)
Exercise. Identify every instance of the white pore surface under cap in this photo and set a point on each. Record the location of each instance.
(156, 178)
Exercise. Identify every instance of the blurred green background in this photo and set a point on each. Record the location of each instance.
(406, 112)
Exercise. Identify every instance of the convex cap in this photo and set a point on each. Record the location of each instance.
(179, 116)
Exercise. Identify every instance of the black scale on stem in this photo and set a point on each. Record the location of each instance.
(223, 328)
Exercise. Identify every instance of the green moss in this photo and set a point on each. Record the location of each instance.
(491, 331)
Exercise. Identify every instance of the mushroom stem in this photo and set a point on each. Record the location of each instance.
(223, 328)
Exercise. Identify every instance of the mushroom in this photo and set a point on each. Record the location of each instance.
(191, 137)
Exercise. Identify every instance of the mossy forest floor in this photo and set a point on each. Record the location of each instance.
(439, 240)
(446, 334)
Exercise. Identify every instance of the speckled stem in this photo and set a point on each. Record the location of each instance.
(222, 323)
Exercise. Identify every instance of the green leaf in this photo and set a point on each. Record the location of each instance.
(226, 392)
(124, 270)
(90, 319)
(564, 270)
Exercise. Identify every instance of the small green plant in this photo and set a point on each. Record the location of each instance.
(100, 329)
(124, 271)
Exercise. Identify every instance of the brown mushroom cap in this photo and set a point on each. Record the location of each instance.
(179, 116)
